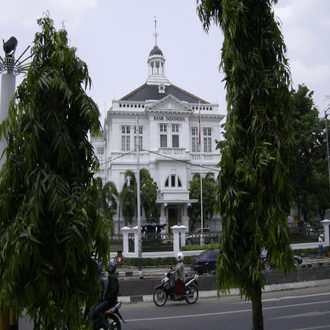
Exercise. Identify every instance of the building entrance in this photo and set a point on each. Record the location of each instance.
(173, 217)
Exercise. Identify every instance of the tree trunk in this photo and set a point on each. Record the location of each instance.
(257, 317)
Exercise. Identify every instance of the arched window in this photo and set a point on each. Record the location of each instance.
(173, 181)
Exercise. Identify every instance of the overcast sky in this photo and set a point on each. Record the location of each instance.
(114, 38)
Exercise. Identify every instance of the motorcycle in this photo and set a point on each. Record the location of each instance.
(112, 317)
(165, 290)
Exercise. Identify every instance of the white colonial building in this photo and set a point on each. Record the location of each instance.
(168, 120)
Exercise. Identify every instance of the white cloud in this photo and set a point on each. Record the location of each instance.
(313, 73)
(115, 37)
(28, 11)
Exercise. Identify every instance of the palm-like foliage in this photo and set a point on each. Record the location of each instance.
(253, 187)
(50, 219)
(149, 190)
(209, 196)
(128, 196)
(108, 199)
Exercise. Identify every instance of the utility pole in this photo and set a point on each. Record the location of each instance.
(137, 143)
(9, 69)
(201, 166)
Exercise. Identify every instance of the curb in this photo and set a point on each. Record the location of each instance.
(234, 292)
(159, 271)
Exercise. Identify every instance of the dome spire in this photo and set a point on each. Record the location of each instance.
(156, 34)
(156, 64)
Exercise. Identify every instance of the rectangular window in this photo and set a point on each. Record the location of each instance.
(140, 137)
(100, 150)
(140, 142)
(163, 135)
(194, 142)
(125, 138)
(163, 128)
(207, 133)
(163, 141)
(175, 128)
(175, 141)
(175, 137)
(140, 130)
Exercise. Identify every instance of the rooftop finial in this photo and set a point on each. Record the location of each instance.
(156, 34)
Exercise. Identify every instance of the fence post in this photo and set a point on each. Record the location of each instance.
(326, 224)
(183, 230)
(176, 239)
(125, 231)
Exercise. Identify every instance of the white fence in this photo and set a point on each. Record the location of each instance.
(179, 236)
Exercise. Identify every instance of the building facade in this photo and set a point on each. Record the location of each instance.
(177, 133)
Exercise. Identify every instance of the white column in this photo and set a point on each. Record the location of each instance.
(176, 238)
(326, 224)
(7, 88)
(162, 219)
(183, 230)
(125, 231)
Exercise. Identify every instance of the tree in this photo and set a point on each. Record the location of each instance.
(149, 190)
(128, 195)
(253, 187)
(108, 199)
(50, 218)
(209, 196)
(309, 171)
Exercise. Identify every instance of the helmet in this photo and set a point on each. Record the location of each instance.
(179, 256)
(112, 266)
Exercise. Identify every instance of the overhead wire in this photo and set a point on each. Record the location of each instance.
(165, 156)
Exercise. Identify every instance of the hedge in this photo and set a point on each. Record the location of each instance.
(171, 261)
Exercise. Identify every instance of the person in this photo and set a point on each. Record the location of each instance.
(180, 277)
(321, 245)
(101, 280)
(111, 294)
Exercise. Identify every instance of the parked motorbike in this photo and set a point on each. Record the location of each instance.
(113, 318)
(165, 290)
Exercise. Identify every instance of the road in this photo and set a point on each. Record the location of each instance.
(303, 309)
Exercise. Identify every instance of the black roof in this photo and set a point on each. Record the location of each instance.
(150, 92)
(156, 51)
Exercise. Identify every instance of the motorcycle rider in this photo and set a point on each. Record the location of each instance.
(111, 294)
(180, 277)
(101, 280)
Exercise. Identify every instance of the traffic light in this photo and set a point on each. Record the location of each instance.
(10, 45)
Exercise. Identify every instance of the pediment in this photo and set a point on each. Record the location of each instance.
(169, 104)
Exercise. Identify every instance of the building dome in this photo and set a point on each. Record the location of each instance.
(156, 51)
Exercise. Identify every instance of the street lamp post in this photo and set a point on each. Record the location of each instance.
(327, 136)
(9, 69)
(137, 143)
